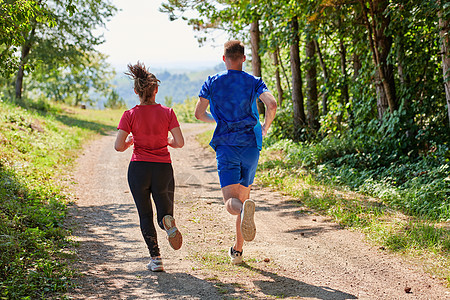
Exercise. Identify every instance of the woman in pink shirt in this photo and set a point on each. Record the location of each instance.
(150, 171)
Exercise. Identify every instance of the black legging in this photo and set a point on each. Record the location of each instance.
(156, 179)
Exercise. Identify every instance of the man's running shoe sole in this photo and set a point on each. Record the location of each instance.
(173, 234)
(248, 227)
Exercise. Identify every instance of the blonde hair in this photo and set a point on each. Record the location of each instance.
(145, 83)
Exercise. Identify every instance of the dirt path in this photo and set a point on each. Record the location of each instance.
(295, 254)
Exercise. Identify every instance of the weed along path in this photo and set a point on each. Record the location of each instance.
(296, 254)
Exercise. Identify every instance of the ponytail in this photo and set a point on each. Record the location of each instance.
(145, 83)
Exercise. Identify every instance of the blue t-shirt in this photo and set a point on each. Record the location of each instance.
(232, 98)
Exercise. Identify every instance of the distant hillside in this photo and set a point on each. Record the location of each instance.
(179, 85)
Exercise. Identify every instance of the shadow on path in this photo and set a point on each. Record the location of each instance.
(280, 286)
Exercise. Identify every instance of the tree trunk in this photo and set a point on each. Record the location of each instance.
(312, 102)
(445, 44)
(357, 65)
(404, 78)
(382, 100)
(325, 78)
(256, 59)
(26, 48)
(276, 62)
(344, 89)
(20, 73)
(380, 46)
(344, 99)
(297, 94)
(284, 71)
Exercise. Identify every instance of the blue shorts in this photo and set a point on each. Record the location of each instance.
(236, 164)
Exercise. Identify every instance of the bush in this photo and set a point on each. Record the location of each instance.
(186, 111)
(416, 184)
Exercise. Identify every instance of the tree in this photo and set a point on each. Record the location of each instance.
(256, 59)
(276, 62)
(114, 101)
(311, 85)
(82, 81)
(377, 22)
(343, 62)
(297, 93)
(17, 17)
(444, 24)
(71, 36)
(325, 79)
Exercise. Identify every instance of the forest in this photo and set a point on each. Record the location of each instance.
(363, 91)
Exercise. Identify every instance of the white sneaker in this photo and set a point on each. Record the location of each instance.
(248, 227)
(236, 256)
(155, 264)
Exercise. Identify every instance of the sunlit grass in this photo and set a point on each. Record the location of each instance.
(38, 144)
(204, 138)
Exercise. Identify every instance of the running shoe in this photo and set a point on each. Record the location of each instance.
(248, 227)
(173, 234)
(155, 265)
(236, 256)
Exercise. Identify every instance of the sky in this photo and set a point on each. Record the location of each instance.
(140, 32)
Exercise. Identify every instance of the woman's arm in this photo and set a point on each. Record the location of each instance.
(177, 139)
(123, 141)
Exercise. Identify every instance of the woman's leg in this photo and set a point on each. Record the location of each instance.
(140, 182)
(163, 186)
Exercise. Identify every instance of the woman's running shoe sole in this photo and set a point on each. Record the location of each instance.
(173, 234)
(248, 227)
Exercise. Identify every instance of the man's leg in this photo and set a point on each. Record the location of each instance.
(234, 196)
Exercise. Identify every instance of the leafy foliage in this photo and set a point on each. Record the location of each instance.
(416, 185)
(17, 17)
(185, 111)
(384, 128)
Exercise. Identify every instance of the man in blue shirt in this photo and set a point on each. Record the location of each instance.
(237, 139)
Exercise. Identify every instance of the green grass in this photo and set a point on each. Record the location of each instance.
(204, 138)
(38, 145)
(424, 241)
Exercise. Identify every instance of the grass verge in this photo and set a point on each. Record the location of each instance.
(38, 145)
(423, 241)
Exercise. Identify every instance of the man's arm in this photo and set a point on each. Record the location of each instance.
(271, 104)
(200, 111)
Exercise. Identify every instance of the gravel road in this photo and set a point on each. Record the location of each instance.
(296, 254)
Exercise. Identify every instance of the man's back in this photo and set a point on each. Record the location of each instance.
(232, 95)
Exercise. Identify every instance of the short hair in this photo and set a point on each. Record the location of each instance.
(234, 50)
